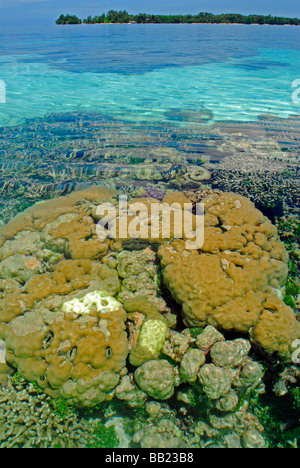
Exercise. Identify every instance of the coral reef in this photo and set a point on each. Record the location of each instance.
(152, 192)
(197, 115)
(92, 320)
(229, 374)
(96, 149)
(129, 392)
(29, 420)
(214, 410)
(177, 344)
(272, 183)
(289, 231)
(5, 370)
(183, 429)
(190, 365)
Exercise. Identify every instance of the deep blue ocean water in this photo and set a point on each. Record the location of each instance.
(150, 73)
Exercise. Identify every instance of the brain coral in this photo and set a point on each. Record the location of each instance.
(232, 282)
(76, 353)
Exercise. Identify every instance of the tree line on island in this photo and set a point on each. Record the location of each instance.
(227, 18)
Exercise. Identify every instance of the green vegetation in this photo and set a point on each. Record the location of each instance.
(68, 19)
(16, 377)
(292, 290)
(296, 398)
(289, 232)
(61, 407)
(195, 331)
(279, 416)
(104, 437)
(228, 18)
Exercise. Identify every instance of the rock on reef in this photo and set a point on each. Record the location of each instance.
(156, 378)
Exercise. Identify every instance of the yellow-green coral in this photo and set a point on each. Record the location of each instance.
(153, 330)
(152, 335)
(150, 342)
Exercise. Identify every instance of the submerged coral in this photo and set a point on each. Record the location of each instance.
(242, 254)
(156, 378)
(29, 420)
(77, 354)
(91, 320)
(214, 409)
(138, 274)
(197, 115)
(272, 183)
(75, 149)
(86, 318)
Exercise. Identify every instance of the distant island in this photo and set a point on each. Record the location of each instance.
(202, 18)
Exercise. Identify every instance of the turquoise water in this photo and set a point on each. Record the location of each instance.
(123, 106)
(150, 73)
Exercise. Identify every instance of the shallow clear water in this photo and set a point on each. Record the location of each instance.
(150, 73)
(141, 108)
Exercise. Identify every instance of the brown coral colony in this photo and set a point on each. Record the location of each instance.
(51, 255)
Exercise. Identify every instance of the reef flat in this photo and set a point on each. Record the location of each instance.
(51, 156)
(116, 340)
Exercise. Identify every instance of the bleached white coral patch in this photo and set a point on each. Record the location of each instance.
(99, 301)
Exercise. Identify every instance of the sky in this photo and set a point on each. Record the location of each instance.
(20, 12)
